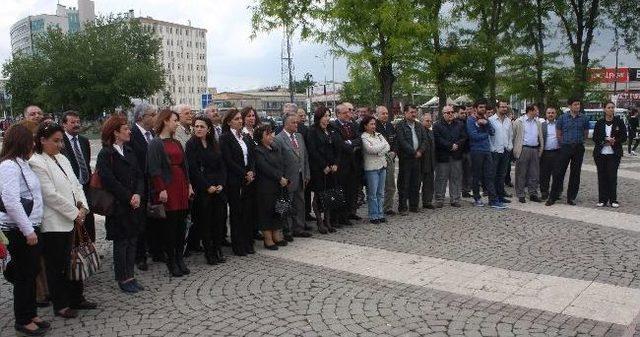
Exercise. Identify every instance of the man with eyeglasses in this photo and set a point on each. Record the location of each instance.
(450, 139)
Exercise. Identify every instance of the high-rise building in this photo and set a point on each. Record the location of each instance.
(184, 59)
(67, 19)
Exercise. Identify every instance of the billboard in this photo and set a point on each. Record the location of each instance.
(608, 75)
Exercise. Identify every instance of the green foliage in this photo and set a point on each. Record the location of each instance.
(300, 87)
(93, 71)
(361, 90)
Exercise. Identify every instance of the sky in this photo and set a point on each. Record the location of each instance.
(235, 61)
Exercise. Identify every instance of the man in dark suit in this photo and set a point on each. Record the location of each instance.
(411, 147)
(349, 155)
(78, 151)
(141, 135)
(303, 129)
(428, 162)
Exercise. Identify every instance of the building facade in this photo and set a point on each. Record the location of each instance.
(267, 102)
(67, 19)
(184, 59)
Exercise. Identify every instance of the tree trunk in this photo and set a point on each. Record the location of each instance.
(386, 80)
(541, 86)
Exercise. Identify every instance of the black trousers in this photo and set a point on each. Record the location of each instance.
(467, 173)
(569, 154)
(409, 177)
(239, 214)
(56, 250)
(632, 138)
(483, 173)
(173, 229)
(89, 220)
(124, 258)
(24, 269)
(548, 162)
(209, 210)
(307, 200)
(501, 161)
(350, 179)
(507, 175)
(607, 166)
(427, 187)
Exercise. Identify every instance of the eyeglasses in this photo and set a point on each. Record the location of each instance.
(447, 112)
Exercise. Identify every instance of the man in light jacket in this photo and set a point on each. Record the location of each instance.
(294, 154)
(528, 143)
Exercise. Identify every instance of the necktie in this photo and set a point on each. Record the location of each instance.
(348, 129)
(218, 131)
(147, 135)
(294, 141)
(239, 134)
(82, 165)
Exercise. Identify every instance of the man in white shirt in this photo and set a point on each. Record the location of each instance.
(549, 158)
(501, 143)
(216, 119)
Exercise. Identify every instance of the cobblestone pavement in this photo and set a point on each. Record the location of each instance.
(340, 290)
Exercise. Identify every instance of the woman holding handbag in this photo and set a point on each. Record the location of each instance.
(323, 154)
(374, 150)
(209, 176)
(64, 212)
(118, 169)
(170, 188)
(20, 221)
(609, 134)
(270, 182)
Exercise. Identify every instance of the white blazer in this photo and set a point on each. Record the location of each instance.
(60, 192)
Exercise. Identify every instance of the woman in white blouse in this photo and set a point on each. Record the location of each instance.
(21, 225)
(64, 205)
(609, 134)
(374, 150)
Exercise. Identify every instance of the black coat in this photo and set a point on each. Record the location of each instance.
(86, 153)
(445, 135)
(619, 132)
(234, 159)
(323, 152)
(123, 178)
(206, 165)
(269, 171)
(428, 157)
(349, 155)
(405, 141)
(139, 146)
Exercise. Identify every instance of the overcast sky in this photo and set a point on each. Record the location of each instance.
(234, 60)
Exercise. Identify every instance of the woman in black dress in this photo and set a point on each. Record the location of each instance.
(270, 182)
(208, 175)
(118, 168)
(322, 150)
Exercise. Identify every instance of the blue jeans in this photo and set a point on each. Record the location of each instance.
(375, 192)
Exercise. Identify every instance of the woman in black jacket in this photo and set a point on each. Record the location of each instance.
(270, 182)
(238, 154)
(608, 135)
(208, 175)
(323, 159)
(118, 169)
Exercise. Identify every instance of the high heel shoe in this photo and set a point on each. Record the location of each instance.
(271, 247)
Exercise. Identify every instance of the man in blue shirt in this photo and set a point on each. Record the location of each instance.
(571, 129)
(479, 129)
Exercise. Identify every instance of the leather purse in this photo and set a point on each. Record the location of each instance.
(156, 211)
(101, 200)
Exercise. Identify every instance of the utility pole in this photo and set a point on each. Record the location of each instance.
(616, 45)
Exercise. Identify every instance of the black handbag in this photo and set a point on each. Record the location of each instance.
(332, 198)
(283, 206)
(27, 204)
(156, 211)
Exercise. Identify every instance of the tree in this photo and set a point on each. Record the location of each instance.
(300, 87)
(361, 89)
(581, 19)
(95, 70)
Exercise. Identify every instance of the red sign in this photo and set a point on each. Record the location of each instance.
(608, 75)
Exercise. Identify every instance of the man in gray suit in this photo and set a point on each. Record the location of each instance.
(294, 153)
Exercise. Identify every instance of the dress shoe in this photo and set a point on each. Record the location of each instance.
(467, 195)
(336, 225)
(383, 220)
(428, 206)
(571, 202)
(403, 212)
(142, 265)
(128, 287)
(508, 184)
(505, 201)
(346, 222)
(137, 285)
(535, 198)
(84, 305)
(522, 200)
(67, 313)
(271, 247)
(355, 217)
(210, 258)
(309, 217)
(439, 205)
(258, 236)
(390, 212)
(302, 235)
(26, 332)
(238, 252)
(225, 243)
(544, 197)
(187, 253)
(250, 250)
(455, 204)
(219, 256)
(182, 266)
(322, 229)
(282, 243)
(159, 258)
(414, 210)
(288, 237)
(550, 202)
(374, 221)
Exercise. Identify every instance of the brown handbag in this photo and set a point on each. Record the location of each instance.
(101, 200)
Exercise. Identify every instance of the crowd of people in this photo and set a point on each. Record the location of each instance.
(185, 183)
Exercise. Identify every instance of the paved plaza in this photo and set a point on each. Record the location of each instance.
(530, 270)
